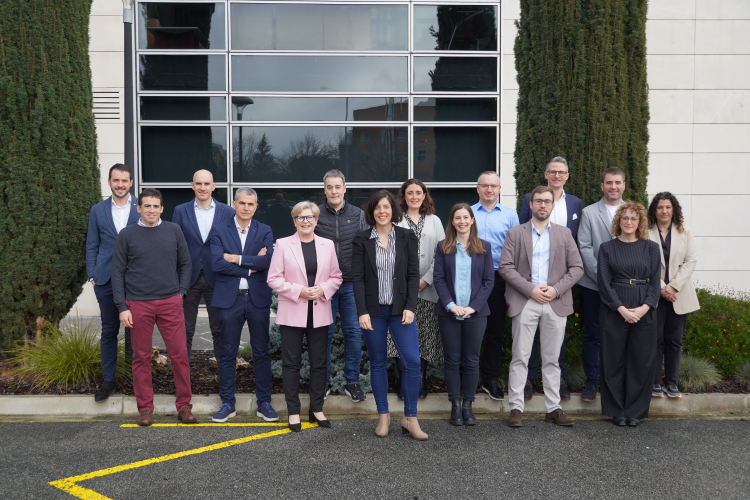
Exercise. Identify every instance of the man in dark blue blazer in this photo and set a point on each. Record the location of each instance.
(241, 250)
(567, 212)
(106, 220)
(196, 218)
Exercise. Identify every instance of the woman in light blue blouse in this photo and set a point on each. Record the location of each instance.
(463, 276)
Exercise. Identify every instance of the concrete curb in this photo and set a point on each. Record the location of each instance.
(690, 405)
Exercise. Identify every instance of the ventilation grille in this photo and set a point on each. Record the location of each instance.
(107, 105)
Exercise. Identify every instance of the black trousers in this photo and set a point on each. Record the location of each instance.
(190, 309)
(291, 359)
(493, 334)
(669, 330)
(534, 359)
(628, 354)
(462, 340)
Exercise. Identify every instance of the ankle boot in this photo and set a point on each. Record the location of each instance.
(467, 414)
(456, 417)
(410, 426)
(399, 386)
(423, 382)
(384, 422)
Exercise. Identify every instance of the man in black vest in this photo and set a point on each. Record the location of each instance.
(339, 222)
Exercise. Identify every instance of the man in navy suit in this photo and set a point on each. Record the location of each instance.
(241, 251)
(567, 212)
(106, 220)
(196, 218)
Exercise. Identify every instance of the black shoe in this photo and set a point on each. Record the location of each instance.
(354, 391)
(328, 391)
(620, 421)
(564, 391)
(491, 388)
(589, 393)
(528, 391)
(634, 422)
(296, 427)
(467, 414)
(104, 391)
(423, 383)
(321, 423)
(456, 418)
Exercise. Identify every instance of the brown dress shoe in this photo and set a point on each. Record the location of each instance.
(185, 416)
(144, 419)
(515, 418)
(558, 417)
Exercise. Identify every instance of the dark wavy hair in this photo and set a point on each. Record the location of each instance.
(427, 207)
(372, 204)
(677, 218)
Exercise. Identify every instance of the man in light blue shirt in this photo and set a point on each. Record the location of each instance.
(493, 221)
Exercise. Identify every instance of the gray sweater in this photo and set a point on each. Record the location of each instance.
(145, 264)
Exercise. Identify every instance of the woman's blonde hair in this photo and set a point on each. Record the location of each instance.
(302, 205)
(642, 231)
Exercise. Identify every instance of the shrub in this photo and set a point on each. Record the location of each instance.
(742, 375)
(697, 373)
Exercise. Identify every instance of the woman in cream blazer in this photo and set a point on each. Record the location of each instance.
(678, 297)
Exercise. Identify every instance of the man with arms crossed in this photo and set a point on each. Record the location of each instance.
(106, 220)
(566, 212)
(241, 250)
(540, 264)
(493, 221)
(196, 218)
(596, 222)
(148, 289)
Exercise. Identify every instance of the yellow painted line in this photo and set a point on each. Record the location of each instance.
(210, 425)
(69, 483)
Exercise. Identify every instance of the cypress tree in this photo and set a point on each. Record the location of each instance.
(583, 93)
(49, 177)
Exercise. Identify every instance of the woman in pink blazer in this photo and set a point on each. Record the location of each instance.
(305, 273)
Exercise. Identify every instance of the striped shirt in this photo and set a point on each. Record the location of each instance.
(385, 259)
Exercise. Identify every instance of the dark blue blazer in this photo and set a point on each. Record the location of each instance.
(200, 251)
(100, 239)
(572, 203)
(482, 280)
(225, 239)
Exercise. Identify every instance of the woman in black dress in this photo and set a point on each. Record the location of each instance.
(628, 272)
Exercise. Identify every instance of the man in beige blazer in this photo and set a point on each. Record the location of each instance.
(540, 263)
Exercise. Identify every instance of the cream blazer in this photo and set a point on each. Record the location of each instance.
(682, 260)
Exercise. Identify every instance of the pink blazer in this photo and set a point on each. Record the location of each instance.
(287, 275)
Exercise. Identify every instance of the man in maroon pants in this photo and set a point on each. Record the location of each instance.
(148, 289)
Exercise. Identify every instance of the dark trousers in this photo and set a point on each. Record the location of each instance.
(669, 329)
(493, 334)
(291, 360)
(628, 355)
(190, 308)
(534, 359)
(462, 340)
(110, 330)
(591, 307)
(232, 320)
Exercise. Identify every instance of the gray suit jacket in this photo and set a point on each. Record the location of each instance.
(593, 231)
(432, 234)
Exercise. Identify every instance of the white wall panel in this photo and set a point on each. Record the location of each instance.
(721, 173)
(734, 138)
(107, 69)
(670, 172)
(711, 215)
(722, 72)
(511, 9)
(722, 254)
(106, 34)
(670, 138)
(107, 8)
(730, 280)
(110, 138)
(507, 138)
(508, 74)
(670, 37)
(671, 9)
(671, 71)
(722, 9)
(510, 101)
(671, 106)
(507, 180)
(508, 35)
(722, 37)
(722, 106)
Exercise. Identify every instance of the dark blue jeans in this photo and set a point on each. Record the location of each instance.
(232, 320)
(343, 301)
(110, 329)
(591, 305)
(407, 344)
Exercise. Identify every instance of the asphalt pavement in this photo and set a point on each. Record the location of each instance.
(594, 459)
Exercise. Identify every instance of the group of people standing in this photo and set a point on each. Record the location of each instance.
(415, 290)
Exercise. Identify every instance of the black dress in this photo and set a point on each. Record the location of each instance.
(627, 350)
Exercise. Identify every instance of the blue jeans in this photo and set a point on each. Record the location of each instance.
(343, 301)
(591, 305)
(110, 329)
(407, 344)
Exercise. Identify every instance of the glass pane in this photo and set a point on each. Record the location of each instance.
(445, 198)
(183, 108)
(189, 73)
(181, 26)
(320, 108)
(454, 154)
(304, 154)
(455, 27)
(319, 74)
(319, 27)
(474, 74)
(446, 109)
(173, 154)
(177, 196)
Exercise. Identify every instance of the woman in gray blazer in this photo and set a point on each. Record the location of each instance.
(419, 215)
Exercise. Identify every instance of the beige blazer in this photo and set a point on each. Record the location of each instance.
(565, 268)
(682, 259)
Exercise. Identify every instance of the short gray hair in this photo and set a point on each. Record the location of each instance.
(334, 173)
(303, 205)
(558, 159)
(247, 192)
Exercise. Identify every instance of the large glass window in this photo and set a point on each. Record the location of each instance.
(454, 154)
(454, 74)
(182, 72)
(358, 109)
(174, 154)
(181, 26)
(457, 109)
(183, 108)
(171, 197)
(455, 27)
(278, 26)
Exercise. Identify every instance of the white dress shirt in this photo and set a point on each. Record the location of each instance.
(243, 237)
(205, 217)
(120, 215)
(559, 214)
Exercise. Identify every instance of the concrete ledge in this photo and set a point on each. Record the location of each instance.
(690, 405)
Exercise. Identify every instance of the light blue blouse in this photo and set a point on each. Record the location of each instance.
(463, 279)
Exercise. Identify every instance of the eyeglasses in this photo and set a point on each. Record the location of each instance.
(631, 219)
(303, 218)
(540, 202)
(557, 173)
(485, 186)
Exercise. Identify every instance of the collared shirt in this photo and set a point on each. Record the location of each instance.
(158, 223)
(666, 247)
(540, 256)
(205, 217)
(385, 259)
(243, 237)
(120, 215)
(560, 212)
(493, 226)
(462, 286)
